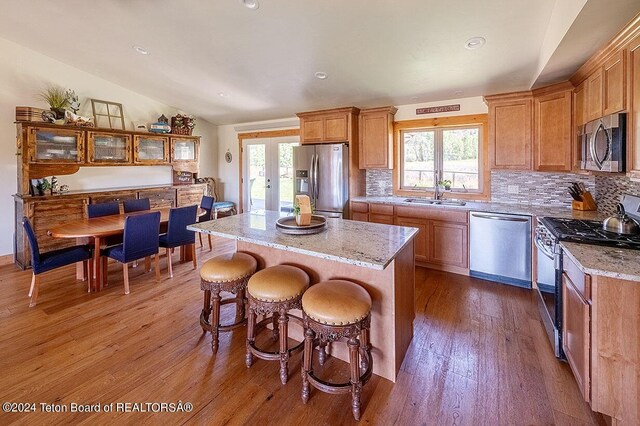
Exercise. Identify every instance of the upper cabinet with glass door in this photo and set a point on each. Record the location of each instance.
(184, 149)
(49, 145)
(150, 149)
(108, 148)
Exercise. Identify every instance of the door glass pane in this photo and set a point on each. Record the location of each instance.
(257, 177)
(419, 159)
(285, 173)
(184, 150)
(53, 146)
(151, 149)
(460, 158)
(109, 148)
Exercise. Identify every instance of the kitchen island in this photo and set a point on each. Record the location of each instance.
(378, 257)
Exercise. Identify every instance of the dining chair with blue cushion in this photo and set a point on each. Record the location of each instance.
(103, 209)
(178, 235)
(44, 262)
(206, 204)
(140, 239)
(137, 205)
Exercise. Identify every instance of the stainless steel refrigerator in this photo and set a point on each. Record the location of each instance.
(322, 173)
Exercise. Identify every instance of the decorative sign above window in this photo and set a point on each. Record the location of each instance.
(433, 110)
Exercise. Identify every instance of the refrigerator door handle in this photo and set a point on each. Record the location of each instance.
(311, 180)
(315, 177)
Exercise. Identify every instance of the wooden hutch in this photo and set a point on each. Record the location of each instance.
(47, 149)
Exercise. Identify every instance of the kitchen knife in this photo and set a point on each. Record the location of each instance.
(574, 194)
(583, 188)
(577, 190)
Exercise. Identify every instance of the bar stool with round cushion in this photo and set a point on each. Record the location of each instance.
(274, 291)
(228, 272)
(332, 310)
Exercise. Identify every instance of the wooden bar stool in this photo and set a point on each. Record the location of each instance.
(332, 310)
(228, 272)
(274, 291)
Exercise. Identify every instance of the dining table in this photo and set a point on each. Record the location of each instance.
(97, 229)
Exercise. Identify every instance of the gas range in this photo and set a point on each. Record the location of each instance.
(587, 232)
(549, 260)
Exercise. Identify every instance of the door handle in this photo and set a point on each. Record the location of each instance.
(312, 182)
(315, 178)
(494, 217)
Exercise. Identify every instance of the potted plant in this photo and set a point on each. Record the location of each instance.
(303, 211)
(57, 98)
(445, 184)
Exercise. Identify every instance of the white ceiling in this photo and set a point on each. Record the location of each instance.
(375, 52)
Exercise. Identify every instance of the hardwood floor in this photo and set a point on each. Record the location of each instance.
(479, 357)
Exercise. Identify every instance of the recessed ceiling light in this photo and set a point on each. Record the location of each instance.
(250, 4)
(458, 92)
(475, 43)
(321, 75)
(222, 94)
(141, 50)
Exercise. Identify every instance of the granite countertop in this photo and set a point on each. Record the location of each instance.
(612, 262)
(522, 209)
(369, 245)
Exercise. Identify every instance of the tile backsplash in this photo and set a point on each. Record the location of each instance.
(609, 188)
(540, 188)
(379, 182)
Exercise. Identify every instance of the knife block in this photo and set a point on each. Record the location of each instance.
(587, 203)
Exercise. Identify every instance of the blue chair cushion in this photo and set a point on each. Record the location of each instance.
(220, 205)
(115, 252)
(58, 258)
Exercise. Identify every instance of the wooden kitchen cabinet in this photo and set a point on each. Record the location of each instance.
(449, 244)
(552, 147)
(595, 90)
(580, 104)
(161, 197)
(190, 195)
(114, 197)
(576, 334)
(613, 81)
(185, 154)
(633, 116)
(376, 138)
(51, 145)
(359, 211)
(510, 131)
(381, 213)
(108, 148)
(327, 126)
(420, 241)
(151, 149)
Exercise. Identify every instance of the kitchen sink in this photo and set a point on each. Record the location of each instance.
(432, 202)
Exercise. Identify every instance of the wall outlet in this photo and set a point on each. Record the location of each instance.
(513, 189)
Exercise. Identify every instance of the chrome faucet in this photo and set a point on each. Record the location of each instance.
(436, 193)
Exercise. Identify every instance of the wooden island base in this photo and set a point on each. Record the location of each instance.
(392, 292)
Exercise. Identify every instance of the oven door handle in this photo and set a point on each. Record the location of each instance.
(538, 242)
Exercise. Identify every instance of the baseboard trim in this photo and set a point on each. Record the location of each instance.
(7, 259)
(445, 268)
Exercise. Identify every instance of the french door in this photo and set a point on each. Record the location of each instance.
(267, 174)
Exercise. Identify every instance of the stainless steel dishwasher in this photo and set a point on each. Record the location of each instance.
(500, 248)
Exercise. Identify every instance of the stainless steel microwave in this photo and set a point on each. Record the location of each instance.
(603, 144)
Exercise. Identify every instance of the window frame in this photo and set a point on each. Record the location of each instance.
(438, 152)
(463, 121)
